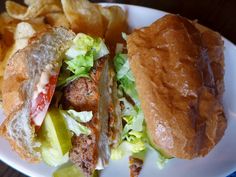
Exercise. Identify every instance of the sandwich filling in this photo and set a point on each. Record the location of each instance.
(43, 94)
(134, 140)
(80, 103)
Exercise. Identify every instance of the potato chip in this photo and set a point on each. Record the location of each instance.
(7, 28)
(38, 23)
(23, 32)
(57, 19)
(2, 49)
(35, 8)
(84, 16)
(29, 2)
(6, 40)
(90, 18)
(1, 79)
(7, 22)
(117, 23)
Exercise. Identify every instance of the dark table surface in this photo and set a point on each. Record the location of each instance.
(219, 15)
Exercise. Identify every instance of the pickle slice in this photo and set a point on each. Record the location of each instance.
(55, 139)
(71, 170)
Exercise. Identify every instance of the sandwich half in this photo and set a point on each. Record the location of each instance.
(26, 76)
(57, 99)
(170, 85)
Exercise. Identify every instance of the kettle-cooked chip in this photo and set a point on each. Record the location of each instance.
(117, 23)
(7, 29)
(57, 19)
(93, 19)
(7, 22)
(29, 2)
(38, 23)
(24, 31)
(35, 8)
(84, 16)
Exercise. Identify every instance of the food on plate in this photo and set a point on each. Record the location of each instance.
(71, 170)
(57, 19)
(116, 24)
(135, 166)
(55, 138)
(76, 124)
(91, 93)
(183, 114)
(93, 19)
(15, 35)
(105, 22)
(66, 99)
(80, 16)
(22, 33)
(28, 85)
(84, 17)
(170, 87)
(34, 9)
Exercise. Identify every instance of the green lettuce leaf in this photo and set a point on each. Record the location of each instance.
(118, 153)
(124, 36)
(125, 76)
(132, 135)
(84, 116)
(161, 161)
(134, 139)
(127, 149)
(73, 121)
(103, 51)
(80, 58)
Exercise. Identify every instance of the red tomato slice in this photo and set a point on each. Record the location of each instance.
(41, 103)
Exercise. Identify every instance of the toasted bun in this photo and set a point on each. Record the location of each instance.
(21, 75)
(179, 78)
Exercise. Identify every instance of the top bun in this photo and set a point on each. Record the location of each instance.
(179, 78)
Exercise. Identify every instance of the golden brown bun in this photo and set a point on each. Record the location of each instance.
(214, 45)
(21, 75)
(171, 62)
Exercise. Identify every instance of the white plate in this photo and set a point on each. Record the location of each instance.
(220, 162)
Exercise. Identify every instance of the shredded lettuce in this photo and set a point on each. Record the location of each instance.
(161, 161)
(127, 148)
(80, 58)
(134, 139)
(73, 120)
(84, 116)
(124, 36)
(125, 76)
(118, 153)
(141, 155)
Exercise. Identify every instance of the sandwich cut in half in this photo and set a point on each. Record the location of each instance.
(62, 104)
(170, 87)
(56, 100)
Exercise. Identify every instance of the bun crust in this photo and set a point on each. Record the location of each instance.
(21, 75)
(179, 90)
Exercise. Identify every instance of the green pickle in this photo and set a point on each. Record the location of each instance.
(71, 170)
(55, 139)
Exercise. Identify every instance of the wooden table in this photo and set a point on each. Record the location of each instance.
(219, 15)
